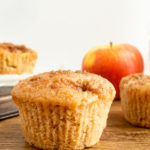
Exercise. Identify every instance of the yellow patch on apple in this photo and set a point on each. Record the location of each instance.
(90, 58)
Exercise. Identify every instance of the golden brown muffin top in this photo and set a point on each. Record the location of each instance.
(65, 88)
(14, 48)
(136, 81)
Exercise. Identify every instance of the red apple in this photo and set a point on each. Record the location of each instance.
(113, 62)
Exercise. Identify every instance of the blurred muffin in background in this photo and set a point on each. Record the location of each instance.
(135, 99)
(16, 59)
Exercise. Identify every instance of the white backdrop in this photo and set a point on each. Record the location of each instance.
(62, 31)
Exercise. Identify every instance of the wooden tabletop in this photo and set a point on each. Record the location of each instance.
(118, 135)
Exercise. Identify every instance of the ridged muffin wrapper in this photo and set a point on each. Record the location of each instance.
(136, 106)
(51, 126)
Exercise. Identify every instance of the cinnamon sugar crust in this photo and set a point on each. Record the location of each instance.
(65, 88)
(14, 48)
(138, 81)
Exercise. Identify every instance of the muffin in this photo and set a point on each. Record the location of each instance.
(135, 99)
(63, 109)
(16, 59)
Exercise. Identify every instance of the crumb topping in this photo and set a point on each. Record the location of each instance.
(138, 80)
(13, 48)
(65, 87)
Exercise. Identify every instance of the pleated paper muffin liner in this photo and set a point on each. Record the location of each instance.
(136, 106)
(56, 127)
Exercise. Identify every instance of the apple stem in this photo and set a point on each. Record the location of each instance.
(111, 44)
